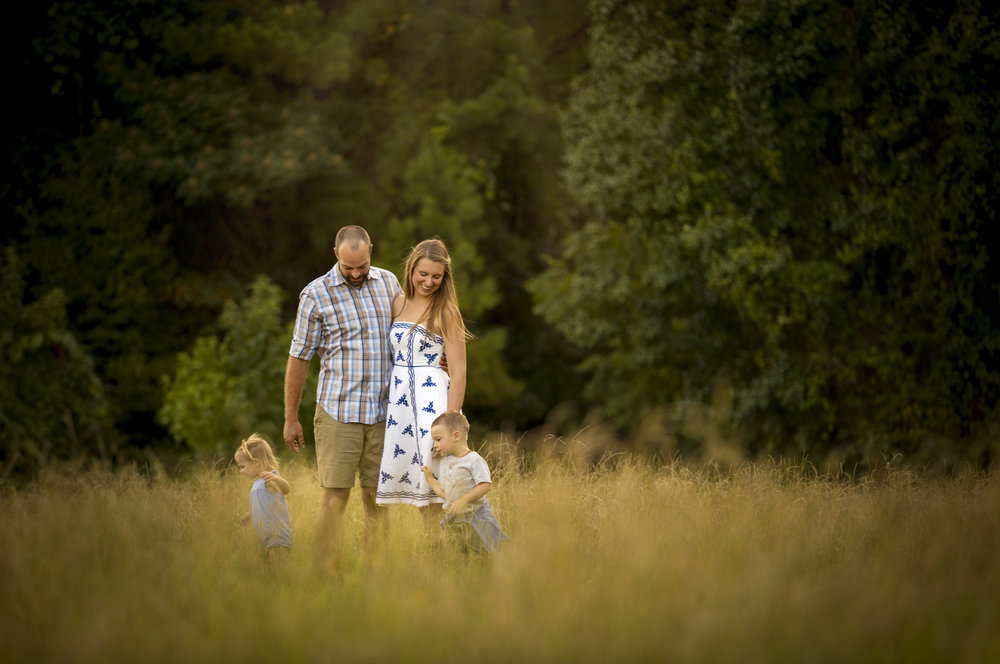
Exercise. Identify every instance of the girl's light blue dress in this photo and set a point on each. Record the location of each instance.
(269, 515)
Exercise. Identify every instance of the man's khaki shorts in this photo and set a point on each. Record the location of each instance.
(345, 450)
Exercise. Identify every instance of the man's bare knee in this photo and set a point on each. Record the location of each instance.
(335, 500)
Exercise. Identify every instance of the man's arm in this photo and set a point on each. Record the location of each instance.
(295, 382)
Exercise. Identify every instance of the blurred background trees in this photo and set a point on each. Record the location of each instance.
(794, 203)
(783, 208)
(168, 153)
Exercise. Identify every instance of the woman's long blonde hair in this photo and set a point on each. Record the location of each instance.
(443, 313)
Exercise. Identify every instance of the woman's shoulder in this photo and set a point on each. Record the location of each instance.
(454, 324)
(398, 304)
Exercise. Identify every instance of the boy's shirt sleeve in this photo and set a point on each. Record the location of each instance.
(480, 471)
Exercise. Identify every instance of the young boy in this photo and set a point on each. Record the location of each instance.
(465, 481)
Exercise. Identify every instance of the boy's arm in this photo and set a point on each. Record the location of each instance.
(272, 482)
(474, 494)
(435, 485)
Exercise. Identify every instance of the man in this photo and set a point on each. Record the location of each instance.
(344, 316)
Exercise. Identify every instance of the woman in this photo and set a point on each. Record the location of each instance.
(427, 325)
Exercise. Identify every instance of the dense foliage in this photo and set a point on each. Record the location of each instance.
(787, 208)
(797, 201)
(177, 149)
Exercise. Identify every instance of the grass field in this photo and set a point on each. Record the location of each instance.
(626, 562)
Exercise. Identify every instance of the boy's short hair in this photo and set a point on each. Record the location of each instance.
(452, 420)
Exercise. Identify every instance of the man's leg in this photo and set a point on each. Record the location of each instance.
(338, 450)
(373, 513)
(368, 472)
(331, 518)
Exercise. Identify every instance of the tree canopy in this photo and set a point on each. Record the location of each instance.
(784, 207)
(794, 199)
(191, 146)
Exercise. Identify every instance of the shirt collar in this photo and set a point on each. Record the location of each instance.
(338, 276)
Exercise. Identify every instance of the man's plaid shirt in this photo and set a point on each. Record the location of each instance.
(349, 328)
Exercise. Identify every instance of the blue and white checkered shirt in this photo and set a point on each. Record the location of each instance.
(349, 328)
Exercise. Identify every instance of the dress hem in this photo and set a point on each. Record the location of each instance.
(401, 500)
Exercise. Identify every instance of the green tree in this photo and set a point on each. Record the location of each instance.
(53, 403)
(797, 197)
(229, 384)
(93, 239)
(473, 156)
(197, 144)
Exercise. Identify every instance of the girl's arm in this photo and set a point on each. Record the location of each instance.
(275, 482)
(475, 493)
(435, 485)
(454, 349)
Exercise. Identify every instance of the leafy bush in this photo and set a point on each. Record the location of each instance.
(53, 401)
(231, 385)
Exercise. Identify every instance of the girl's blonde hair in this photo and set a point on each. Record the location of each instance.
(257, 448)
(443, 313)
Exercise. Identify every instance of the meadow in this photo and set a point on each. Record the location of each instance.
(623, 561)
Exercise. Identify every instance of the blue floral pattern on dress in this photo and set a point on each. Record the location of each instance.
(418, 391)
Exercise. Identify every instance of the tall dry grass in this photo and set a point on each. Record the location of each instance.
(626, 562)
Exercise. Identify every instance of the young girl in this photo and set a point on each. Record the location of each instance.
(427, 326)
(465, 481)
(268, 507)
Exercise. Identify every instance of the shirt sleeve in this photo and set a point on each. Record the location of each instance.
(307, 336)
(480, 471)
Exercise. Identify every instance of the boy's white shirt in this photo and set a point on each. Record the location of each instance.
(460, 475)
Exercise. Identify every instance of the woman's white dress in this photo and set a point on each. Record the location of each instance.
(418, 393)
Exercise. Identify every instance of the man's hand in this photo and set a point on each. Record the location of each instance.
(295, 438)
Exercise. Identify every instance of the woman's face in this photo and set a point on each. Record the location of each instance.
(427, 277)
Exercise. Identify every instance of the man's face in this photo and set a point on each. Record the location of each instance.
(354, 263)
